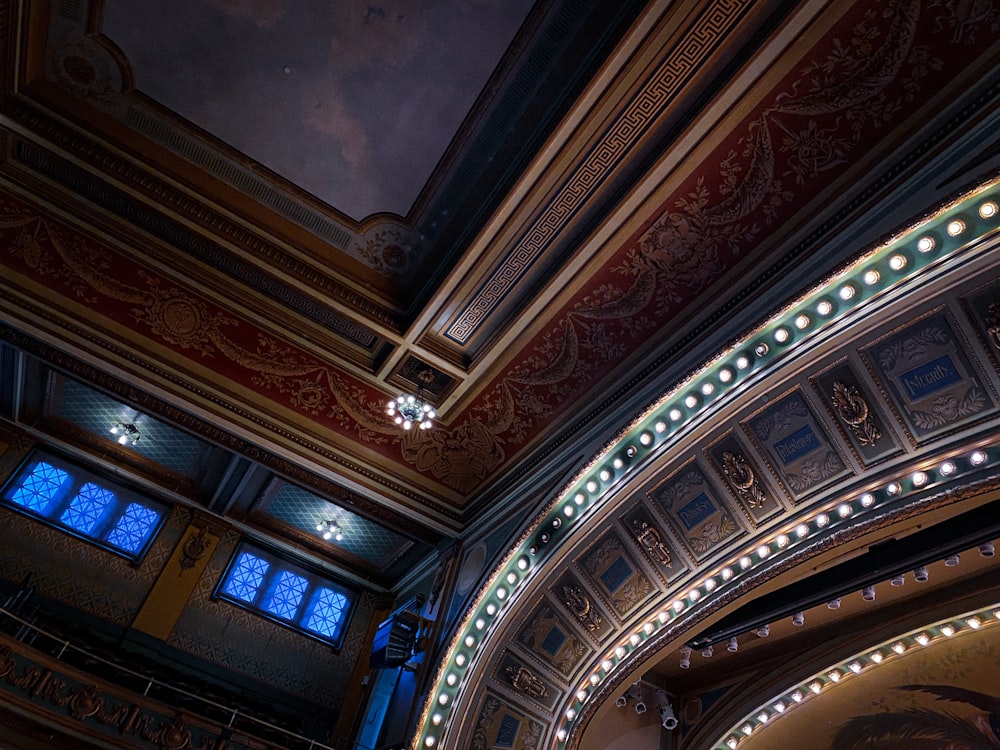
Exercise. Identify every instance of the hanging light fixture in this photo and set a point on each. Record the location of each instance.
(330, 530)
(408, 411)
(126, 433)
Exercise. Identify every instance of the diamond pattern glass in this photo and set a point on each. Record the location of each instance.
(245, 577)
(87, 508)
(327, 613)
(133, 528)
(40, 489)
(287, 595)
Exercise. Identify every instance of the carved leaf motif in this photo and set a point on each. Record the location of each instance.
(854, 411)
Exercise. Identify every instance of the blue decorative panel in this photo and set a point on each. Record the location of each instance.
(286, 596)
(245, 577)
(932, 381)
(616, 574)
(553, 641)
(802, 453)
(132, 530)
(507, 733)
(86, 508)
(40, 489)
(327, 613)
(691, 506)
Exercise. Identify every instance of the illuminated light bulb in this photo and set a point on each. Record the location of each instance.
(974, 623)
(763, 551)
(579, 498)
(742, 362)
(847, 292)
(592, 486)
(871, 277)
(501, 593)
(925, 244)
(801, 530)
(923, 639)
(834, 676)
(556, 523)
(620, 652)
(595, 680)
(746, 729)
(661, 426)
(802, 321)
(451, 679)
(429, 742)
(581, 695)
(745, 562)
(824, 307)
(919, 478)
(617, 463)
(948, 630)
(868, 499)
(662, 617)
(568, 511)
(797, 696)
(678, 605)
(988, 209)
(512, 578)
(844, 510)
(522, 563)
(708, 389)
(436, 719)
(634, 639)
(948, 468)
(675, 414)
(727, 573)
(815, 686)
(781, 335)
(877, 657)
(480, 623)
(822, 520)
(977, 458)
(710, 584)
(605, 475)
(690, 401)
(731, 743)
(570, 714)
(893, 488)
(897, 262)
(781, 540)
(761, 349)
(561, 735)
(443, 699)
(956, 227)
(470, 641)
(898, 647)
(694, 595)
(762, 717)
(460, 660)
(725, 375)
(779, 707)
(648, 628)
(856, 667)
(646, 439)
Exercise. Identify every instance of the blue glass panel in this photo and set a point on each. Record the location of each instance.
(286, 595)
(245, 577)
(39, 490)
(86, 508)
(326, 613)
(133, 528)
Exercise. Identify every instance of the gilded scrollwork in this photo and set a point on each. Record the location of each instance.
(855, 412)
(648, 537)
(577, 602)
(523, 679)
(742, 479)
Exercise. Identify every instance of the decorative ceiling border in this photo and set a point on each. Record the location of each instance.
(953, 231)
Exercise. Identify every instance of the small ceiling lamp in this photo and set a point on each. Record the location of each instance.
(411, 410)
(330, 530)
(126, 433)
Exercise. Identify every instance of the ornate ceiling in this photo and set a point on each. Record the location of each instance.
(637, 193)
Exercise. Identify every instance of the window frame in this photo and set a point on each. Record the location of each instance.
(316, 583)
(122, 501)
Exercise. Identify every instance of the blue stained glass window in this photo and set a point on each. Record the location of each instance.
(287, 595)
(75, 500)
(87, 507)
(133, 528)
(327, 613)
(293, 596)
(41, 488)
(246, 576)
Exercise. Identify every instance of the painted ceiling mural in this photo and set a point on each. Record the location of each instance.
(875, 67)
(354, 101)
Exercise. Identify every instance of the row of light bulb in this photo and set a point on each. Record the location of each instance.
(807, 317)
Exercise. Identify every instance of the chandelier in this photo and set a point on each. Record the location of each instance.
(411, 410)
(330, 530)
(126, 433)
